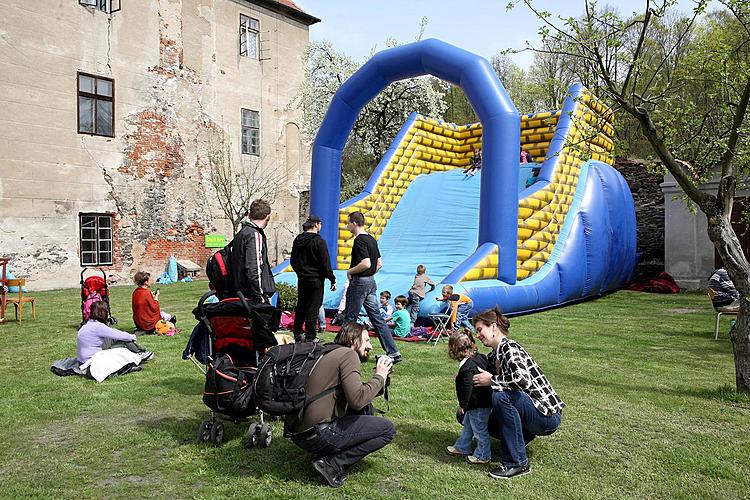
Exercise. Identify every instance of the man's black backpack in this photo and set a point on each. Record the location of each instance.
(228, 388)
(281, 379)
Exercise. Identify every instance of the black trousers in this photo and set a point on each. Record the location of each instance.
(349, 439)
(309, 300)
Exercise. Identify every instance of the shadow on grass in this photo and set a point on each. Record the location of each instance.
(183, 385)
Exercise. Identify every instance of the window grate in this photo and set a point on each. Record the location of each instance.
(95, 239)
(250, 132)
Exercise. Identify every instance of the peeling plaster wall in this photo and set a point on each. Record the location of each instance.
(179, 87)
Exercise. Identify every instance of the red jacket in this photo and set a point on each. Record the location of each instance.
(146, 311)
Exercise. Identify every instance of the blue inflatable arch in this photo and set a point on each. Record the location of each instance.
(501, 136)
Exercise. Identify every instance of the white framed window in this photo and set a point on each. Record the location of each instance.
(108, 6)
(249, 35)
(250, 132)
(95, 239)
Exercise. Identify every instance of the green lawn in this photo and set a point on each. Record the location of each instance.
(650, 414)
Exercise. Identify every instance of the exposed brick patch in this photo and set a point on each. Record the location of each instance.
(154, 148)
(189, 244)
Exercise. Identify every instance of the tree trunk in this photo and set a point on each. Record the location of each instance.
(725, 240)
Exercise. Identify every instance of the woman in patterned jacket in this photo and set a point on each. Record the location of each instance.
(524, 403)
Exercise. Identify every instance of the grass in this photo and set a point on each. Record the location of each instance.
(651, 413)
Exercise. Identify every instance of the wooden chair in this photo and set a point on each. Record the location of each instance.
(719, 311)
(20, 300)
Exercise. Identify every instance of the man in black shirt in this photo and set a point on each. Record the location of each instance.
(362, 289)
(310, 260)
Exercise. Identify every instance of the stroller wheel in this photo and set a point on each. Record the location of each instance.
(204, 430)
(251, 436)
(217, 432)
(265, 435)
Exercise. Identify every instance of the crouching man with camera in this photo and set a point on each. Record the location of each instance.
(332, 427)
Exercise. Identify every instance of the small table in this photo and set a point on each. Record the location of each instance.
(3, 284)
(441, 326)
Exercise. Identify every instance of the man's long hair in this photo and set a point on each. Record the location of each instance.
(350, 335)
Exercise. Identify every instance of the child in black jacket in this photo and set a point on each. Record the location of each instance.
(475, 403)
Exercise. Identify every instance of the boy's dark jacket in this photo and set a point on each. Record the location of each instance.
(310, 258)
(250, 264)
(470, 397)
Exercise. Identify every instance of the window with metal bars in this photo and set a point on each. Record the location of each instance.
(250, 132)
(96, 105)
(249, 34)
(108, 6)
(96, 239)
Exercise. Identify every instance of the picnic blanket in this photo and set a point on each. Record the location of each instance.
(116, 361)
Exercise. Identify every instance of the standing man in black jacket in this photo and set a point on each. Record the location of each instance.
(310, 260)
(250, 255)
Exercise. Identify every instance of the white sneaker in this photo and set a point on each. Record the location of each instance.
(146, 355)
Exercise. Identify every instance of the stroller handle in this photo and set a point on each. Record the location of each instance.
(104, 273)
(204, 298)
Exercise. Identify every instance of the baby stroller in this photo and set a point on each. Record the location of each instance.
(94, 289)
(230, 339)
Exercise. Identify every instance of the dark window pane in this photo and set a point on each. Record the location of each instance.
(86, 114)
(88, 246)
(105, 233)
(246, 141)
(88, 258)
(88, 221)
(105, 221)
(86, 84)
(103, 117)
(104, 87)
(105, 258)
(105, 246)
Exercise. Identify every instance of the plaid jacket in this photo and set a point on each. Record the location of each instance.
(515, 370)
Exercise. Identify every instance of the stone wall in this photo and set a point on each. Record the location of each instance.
(649, 214)
(179, 87)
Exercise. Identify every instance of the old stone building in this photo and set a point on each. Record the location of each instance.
(111, 112)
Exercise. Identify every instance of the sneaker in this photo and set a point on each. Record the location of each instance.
(146, 356)
(504, 472)
(333, 476)
(476, 461)
(455, 452)
(396, 358)
(173, 319)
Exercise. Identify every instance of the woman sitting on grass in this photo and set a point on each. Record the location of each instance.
(96, 336)
(146, 310)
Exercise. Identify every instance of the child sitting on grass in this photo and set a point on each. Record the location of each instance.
(475, 403)
(386, 309)
(400, 321)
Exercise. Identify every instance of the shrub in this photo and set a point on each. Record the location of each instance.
(287, 296)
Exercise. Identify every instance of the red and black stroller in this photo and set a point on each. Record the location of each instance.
(230, 339)
(94, 289)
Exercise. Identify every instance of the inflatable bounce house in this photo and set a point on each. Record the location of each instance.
(523, 236)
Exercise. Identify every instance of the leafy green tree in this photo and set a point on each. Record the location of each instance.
(685, 80)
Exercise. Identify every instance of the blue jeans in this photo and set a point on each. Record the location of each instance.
(518, 423)
(462, 316)
(362, 291)
(475, 425)
(414, 301)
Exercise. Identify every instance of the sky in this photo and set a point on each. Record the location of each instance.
(485, 27)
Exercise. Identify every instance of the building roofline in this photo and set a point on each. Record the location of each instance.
(294, 13)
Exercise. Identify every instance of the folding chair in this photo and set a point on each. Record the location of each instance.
(441, 326)
(719, 311)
